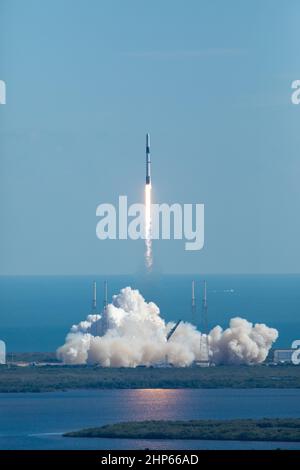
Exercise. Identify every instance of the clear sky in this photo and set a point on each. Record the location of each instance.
(209, 79)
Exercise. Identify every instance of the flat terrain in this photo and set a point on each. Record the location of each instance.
(238, 430)
(32, 357)
(58, 377)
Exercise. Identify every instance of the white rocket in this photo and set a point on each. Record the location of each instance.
(148, 161)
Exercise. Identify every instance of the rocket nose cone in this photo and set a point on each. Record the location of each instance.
(148, 140)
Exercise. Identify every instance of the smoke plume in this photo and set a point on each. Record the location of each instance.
(136, 335)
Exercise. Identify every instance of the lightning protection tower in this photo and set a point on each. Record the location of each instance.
(204, 344)
(104, 319)
(193, 305)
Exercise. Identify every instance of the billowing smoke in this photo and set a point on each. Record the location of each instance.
(136, 335)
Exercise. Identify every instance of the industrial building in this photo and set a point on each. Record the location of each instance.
(283, 356)
(2, 352)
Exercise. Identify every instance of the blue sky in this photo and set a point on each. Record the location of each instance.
(210, 80)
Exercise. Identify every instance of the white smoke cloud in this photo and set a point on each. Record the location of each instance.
(136, 335)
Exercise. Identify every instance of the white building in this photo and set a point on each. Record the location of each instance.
(2, 352)
(283, 355)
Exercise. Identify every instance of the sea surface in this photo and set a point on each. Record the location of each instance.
(36, 312)
(37, 421)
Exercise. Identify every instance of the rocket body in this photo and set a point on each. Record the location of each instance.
(148, 160)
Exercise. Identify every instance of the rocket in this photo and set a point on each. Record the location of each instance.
(148, 161)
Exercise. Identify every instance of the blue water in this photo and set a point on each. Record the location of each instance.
(37, 421)
(36, 312)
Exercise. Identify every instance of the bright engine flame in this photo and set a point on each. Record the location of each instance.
(148, 235)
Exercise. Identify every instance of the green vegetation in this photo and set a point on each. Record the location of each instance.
(238, 430)
(58, 377)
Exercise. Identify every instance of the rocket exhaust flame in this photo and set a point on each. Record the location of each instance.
(148, 237)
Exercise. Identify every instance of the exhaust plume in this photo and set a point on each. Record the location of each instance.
(148, 228)
(136, 335)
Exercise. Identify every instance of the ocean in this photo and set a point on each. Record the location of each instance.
(36, 312)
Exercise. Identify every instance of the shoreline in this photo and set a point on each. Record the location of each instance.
(241, 430)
